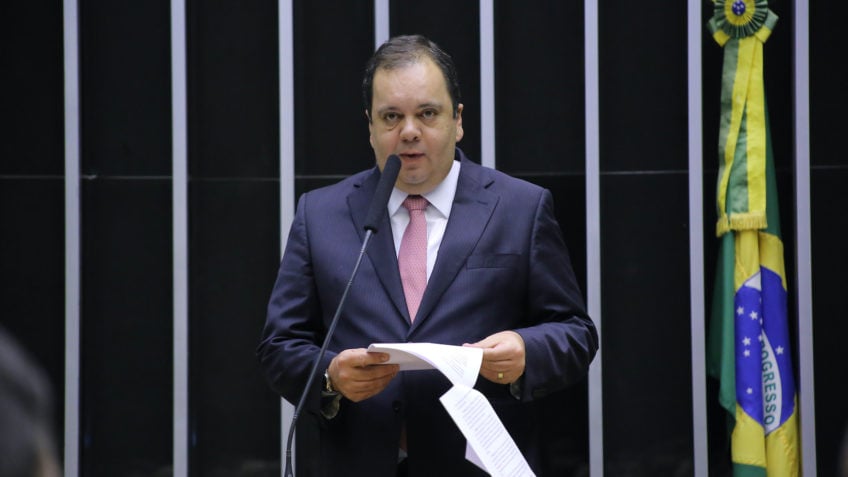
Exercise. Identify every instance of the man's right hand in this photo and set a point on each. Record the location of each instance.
(358, 374)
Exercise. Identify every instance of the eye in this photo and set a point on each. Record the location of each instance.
(428, 114)
(391, 117)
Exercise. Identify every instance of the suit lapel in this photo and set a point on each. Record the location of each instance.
(381, 248)
(472, 208)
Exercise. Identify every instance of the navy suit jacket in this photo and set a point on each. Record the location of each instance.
(502, 265)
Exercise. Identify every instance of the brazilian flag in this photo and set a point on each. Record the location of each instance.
(749, 348)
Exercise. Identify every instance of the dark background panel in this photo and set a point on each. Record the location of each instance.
(829, 196)
(126, 362)
(32, 85)
(646, 338)
(32, 276)
(645, 240)
(125, 88)
(828, 95)
(712, 57)
(643, 86)
(569, 193)
(331, 46)
(565, 447)
(234, 245)
(233, 89)
(540, 101)
(455, 27)
(303, 185)
(830, 263)
(32, 222)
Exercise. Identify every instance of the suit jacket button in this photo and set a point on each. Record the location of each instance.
(397, 406)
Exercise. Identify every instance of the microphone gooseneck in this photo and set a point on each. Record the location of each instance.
(381, 195)
(375, 213)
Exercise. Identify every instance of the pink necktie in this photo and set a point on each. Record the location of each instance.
(412, 256)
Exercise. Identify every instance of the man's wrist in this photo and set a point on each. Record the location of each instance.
(328, 389)
(329, 398)
(516, 387)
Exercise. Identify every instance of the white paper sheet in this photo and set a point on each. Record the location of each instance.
(459, 364)
(489, 445)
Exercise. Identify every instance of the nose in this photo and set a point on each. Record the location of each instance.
(410, 130)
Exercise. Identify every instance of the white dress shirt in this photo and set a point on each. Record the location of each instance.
(437, 214)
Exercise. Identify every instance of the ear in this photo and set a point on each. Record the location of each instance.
(370, 125)
(459, 131)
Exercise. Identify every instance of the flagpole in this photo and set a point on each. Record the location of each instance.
(696, 244)
(593, 234)
(803, 260)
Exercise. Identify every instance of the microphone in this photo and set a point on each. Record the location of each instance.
(375, 213)
(381, 195)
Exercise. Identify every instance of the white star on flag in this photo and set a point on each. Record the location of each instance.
(779, 350)
(749, 391)
(746, 341)
(746, 353)
(753, 315)
(740, 311)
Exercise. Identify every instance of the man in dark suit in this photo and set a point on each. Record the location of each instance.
(498, 277)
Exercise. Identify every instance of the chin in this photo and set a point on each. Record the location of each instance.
(413, 187)
(412, 179)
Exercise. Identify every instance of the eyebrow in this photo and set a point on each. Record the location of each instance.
(434, 105)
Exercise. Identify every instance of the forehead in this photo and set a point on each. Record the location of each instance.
(421, 80)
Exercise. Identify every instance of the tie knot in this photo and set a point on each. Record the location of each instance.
(415, 202)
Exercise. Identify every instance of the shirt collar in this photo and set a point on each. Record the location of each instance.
(441, 198)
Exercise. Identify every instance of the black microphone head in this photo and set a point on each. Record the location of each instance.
(381, 195)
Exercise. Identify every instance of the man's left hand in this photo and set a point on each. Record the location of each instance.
(503, 357)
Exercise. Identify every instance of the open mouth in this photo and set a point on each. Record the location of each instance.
(411, 155)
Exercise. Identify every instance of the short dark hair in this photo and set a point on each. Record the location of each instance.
(406, 50)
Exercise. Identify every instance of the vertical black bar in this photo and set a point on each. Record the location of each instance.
(32, 276)
(233, 214)
(126, 318)
(540, 126)
(644, 241)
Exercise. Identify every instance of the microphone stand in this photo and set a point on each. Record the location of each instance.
(314, 371)
(389, 174)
